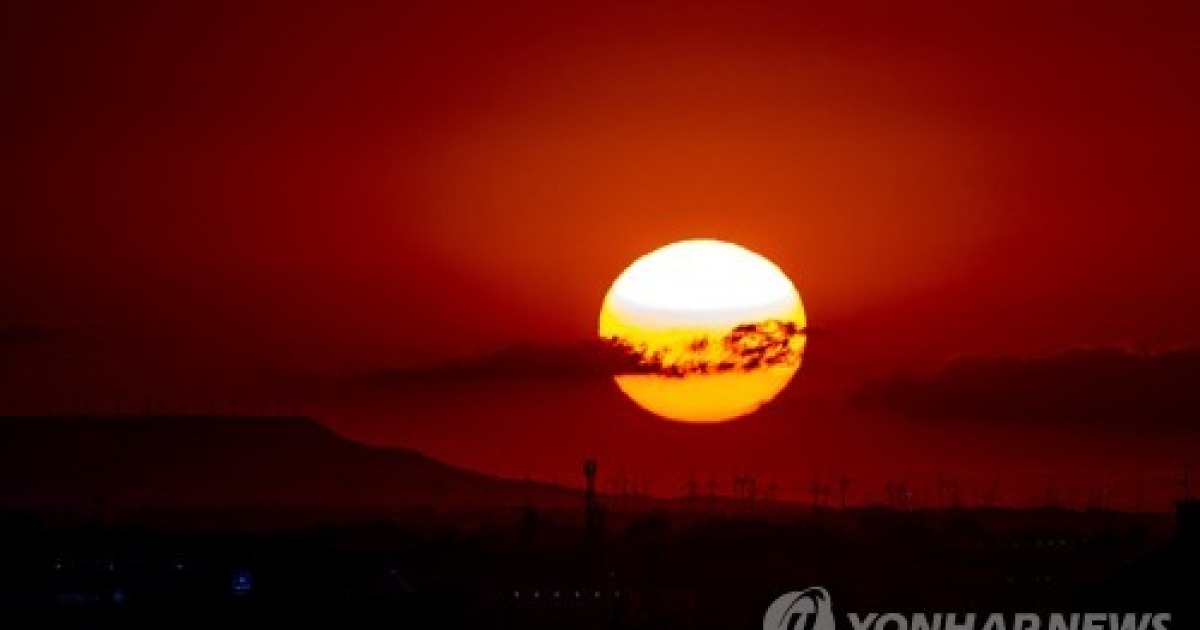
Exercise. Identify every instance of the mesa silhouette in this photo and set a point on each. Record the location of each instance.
(201, 462)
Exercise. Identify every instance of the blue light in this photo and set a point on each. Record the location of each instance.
(243, 581)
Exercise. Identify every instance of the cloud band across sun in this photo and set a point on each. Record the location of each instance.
(747, 347)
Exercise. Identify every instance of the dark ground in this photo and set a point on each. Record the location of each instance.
(536, 569)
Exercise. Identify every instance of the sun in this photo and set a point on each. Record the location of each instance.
(709, 330)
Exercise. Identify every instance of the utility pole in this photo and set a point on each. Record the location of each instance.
(844, 485)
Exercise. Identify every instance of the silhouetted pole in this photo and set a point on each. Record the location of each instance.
(899, 495)
(844, 485)
(589, 496)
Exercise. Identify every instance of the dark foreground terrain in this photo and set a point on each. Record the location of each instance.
(121, 522)
(545, 570)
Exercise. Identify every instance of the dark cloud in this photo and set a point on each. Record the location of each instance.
(589, 360)
(746, 347)
(1094, 387)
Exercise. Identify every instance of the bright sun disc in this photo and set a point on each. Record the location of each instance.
(712, 330)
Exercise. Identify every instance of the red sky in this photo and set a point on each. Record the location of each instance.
(218, 190)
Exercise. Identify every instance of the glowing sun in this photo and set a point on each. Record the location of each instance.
(709, 330)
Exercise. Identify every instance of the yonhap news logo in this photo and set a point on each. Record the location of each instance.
(812, 609)
(809, 609)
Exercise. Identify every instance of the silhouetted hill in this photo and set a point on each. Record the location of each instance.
(222, 461)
